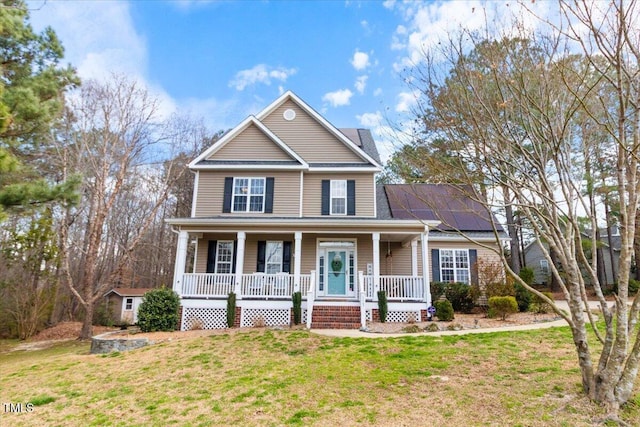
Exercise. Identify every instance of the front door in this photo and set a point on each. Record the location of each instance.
(336, 269)
(336, 277)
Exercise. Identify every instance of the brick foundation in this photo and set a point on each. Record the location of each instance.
(236, 321)
(179, 319)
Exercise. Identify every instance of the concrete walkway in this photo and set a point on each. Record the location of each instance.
(354, 333)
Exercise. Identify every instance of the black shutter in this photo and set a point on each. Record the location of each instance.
(262, 247)
(286, 257)
(268, 196)
(233, 256)
(351, 197)
(435, 265)
(473, 266)
(326, 193)
(228, 193)
(211, 256)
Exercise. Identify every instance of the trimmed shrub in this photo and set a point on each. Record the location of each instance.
(297, 307)
(159, 310)
(634, 286)
(382, 306)
(459, 294)
(231, 310)
(502, 306)
(444, 310)
(538, 305)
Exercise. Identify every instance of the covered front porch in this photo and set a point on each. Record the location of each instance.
(337, 265)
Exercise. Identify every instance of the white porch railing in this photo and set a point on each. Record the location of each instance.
(257, 285)
(207, 285)
(398, 288)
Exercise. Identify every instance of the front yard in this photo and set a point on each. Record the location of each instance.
(265, 377)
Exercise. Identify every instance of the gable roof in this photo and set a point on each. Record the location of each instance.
(129, 292)
(449, 204)
(202, 161)
(288, 95)
(363, 139)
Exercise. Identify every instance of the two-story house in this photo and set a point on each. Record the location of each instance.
(286, 202)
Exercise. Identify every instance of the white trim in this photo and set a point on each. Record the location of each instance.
(331, 197)
(325, 243)
(343, 169)
(350, 221)
(196, 182)
(332, 129)
(249, 194)
(229, 136)
(233, 249)
(251, 167)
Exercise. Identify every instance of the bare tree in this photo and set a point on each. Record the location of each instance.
(114, 136)
(532, 110)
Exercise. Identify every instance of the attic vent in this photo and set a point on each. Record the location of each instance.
(289, 114)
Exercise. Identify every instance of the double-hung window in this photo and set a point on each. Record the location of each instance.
(128, 304)
(338, 197)
(454, 265)
(248, 194)
(544, 266)
(273, 257)
(224, 256)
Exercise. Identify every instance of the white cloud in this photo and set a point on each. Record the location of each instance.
(377, 92)
(387, 139)
(406, 101)
(260, 73)
(360, 60)
(361, 84)
(338, 98)
(98, 40)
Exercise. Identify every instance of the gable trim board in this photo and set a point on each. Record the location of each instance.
(232, 134)
(332, 129)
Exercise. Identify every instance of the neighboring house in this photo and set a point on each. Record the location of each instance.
(124, 304)
(286, 202)
(609, 257)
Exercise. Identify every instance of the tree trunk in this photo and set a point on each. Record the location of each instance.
(87, 324)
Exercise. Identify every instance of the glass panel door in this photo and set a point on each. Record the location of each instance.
(335, 272)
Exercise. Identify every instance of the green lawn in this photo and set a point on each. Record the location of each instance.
(263, 377)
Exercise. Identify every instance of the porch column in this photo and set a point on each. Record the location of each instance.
(424, 240)
(181, 261)
(242, 237)
(376, 264)
(414, 257)
(297, 259)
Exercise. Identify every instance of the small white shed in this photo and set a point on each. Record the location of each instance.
(124, 303)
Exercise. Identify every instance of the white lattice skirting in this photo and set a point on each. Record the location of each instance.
(203, 318)
(265, 317)
(398, 316)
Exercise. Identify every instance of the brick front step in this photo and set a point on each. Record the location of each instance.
(335, 317)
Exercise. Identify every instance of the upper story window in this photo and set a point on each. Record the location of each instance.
(454, 265)
(248, 194)
(338, 197)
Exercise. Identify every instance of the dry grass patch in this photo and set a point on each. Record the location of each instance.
(264, 377)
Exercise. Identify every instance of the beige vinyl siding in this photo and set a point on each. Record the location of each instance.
(365, 203)
(307, 137)
(399, 263)
(250, 144)
(286, 192)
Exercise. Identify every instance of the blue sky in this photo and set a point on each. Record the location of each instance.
(224, 60)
